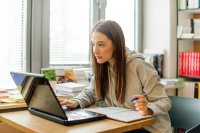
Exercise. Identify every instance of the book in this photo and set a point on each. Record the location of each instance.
(196, 4)
(189, 89)
(166, 81)
(198, 90)
(69, 74)
(190, 4)
(187, 35)
(171, 83)
(3, 93)
(81, 76)
(159, 68)
(13, 99)
(70, 87)
(120, 114)
(156, 60)
(196, 27)
(180, 63)
(49, 73)
(182, 4)
(179, 31)
(196, 87)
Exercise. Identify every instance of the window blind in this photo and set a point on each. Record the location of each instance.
(69, 32)
(12, 39)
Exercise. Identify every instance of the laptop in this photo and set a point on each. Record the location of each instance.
(42, 101)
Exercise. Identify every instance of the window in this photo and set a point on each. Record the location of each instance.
(12, 34)
(70, 23)
(69, 32)
(122, 11)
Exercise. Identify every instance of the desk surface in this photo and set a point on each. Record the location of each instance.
(7, 107)
(26, 122)
(12, 105)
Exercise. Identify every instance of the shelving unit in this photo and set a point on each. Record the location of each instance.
(188, 49)
(184, 17)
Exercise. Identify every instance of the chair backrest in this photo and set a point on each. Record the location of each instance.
(195, 129)
(185, 112)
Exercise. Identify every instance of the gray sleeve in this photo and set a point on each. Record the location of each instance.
(159, 102)
(86, 97)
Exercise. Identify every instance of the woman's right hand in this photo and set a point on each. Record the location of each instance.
(68, 103)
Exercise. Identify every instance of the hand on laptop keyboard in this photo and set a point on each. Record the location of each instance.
(68, 103)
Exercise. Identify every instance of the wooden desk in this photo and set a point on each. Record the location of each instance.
(4, 107)
(26, 122)
(7, 107)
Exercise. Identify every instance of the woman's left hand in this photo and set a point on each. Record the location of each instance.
(141, 105)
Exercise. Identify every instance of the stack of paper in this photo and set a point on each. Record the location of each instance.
(3, 93)
(69, 88)
(13, 99)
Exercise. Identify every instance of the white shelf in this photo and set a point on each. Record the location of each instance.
(189, 11)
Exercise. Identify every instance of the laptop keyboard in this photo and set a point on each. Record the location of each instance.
(74, 115)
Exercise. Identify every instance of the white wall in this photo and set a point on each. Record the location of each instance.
(159, 31)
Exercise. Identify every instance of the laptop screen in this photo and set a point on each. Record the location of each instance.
(35, 87)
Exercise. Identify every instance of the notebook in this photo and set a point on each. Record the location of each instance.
(42, 101)
(120, 114)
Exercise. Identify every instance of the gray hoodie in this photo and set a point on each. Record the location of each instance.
(141, 78)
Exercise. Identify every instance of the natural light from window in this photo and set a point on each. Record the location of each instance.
(122, 11)
(12, 34)
(69, 32)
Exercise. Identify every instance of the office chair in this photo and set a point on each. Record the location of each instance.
(195, 129)
(185, 114)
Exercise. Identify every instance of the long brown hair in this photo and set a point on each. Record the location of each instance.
(101, 79)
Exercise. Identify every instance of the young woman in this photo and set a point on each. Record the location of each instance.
(120, 75)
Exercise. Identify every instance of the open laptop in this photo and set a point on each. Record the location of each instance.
(42, 101)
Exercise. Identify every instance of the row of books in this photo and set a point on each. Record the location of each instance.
(190, 31)
(63, 75)
(191, 89)
(156, 60)
(189, 64)
(188, 4)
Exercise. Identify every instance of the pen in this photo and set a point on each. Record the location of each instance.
(133, 99)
